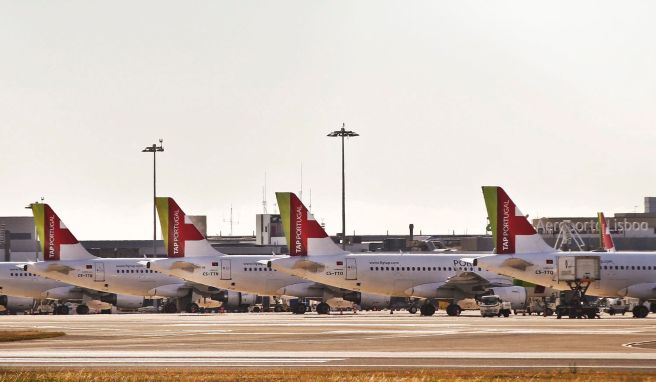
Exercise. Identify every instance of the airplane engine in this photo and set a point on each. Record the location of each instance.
(63, 293)
(432, 290)
(169, 291)
(301, 290)
(233, 299)
(515, 294)
(16, 304)
(368, 300)
(122, 301)
(644, 291)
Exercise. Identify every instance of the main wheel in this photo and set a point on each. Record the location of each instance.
(640, 311)
(170, 307)
(323, 308)
(453, 310)
(412, 309)
(506, 313)
(427, 309)
(63, 309)
(256, 309)
(277, 308)
(82, 309)
(299, 309)
(548, 312)
(192, 308)
(106, 311)
(592, 315)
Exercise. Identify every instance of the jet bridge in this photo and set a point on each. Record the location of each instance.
(579, 272)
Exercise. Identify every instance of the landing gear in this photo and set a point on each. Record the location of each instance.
(170, 307)
(323, 308)
(412, 310)
(300, 308)
(453, 310)
(82, 309)
(652, 307)
(277, 308)
(61, 310)
(640, 311)
(256, 309)
(427, 309)
(106, 311)
(192, 308)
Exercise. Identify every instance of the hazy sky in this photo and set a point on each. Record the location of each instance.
(556, 101)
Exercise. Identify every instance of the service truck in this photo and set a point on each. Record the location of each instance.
(493, 305)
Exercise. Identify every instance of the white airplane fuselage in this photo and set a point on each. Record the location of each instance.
(114, 275)
(622, 274)
(399, 275)
(248, 274)
(19, 283)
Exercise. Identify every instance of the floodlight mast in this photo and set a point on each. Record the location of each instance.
(154, 149)
(343, 133)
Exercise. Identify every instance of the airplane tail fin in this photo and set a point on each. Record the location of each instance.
(511, 231)
(604, 234)
(57, 242)
(305, 236)
(181, 237)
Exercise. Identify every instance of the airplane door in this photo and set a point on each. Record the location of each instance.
(225, 269)
(100, 271)
(351, 269)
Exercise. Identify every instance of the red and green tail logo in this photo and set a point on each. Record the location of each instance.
(176, 227)
(298, 224)
(51, 230)
(604, 233)
(506, 220)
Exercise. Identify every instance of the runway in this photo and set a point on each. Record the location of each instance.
(366, 340)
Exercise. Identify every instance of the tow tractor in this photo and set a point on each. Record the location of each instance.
(579, 272)
(493, 305)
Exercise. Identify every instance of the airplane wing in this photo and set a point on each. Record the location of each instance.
(516, 263)
(184, 265)
(309, 266)
(65, 269)
(474, 279)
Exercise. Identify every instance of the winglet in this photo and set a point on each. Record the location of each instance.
(305, 236)
(56, 240)
(511, 231)
(605, 238)
(181, 237)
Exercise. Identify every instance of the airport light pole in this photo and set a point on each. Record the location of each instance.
(343, 133)
(154, 149)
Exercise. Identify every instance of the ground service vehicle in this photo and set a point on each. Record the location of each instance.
(493, 305)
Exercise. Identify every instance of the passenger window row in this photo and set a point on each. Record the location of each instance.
(436, 269)
(632, 267)
(21, 274)
(259, 269)
(135, 271)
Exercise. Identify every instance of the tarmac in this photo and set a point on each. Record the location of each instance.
(363, 340)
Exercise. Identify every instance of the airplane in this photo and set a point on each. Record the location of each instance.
(315, 256)
(192, 258)
(66, 260)
(522, 253)
(21, 288)
(605, 238)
